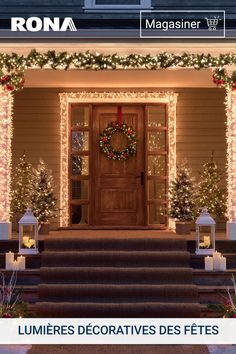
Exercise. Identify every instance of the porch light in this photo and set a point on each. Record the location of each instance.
(205, 230)
(28, 233)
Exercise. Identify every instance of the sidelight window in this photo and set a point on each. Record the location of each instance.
(79, 164)
(157, 154)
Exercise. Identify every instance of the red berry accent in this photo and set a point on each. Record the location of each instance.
(9, 87)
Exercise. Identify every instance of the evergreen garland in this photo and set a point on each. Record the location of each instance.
(13, 66)
(182, 195)
(107, 148)
(21, 188)
(210, 192)
(43, 202)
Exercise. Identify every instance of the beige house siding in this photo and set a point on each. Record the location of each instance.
(200, 127)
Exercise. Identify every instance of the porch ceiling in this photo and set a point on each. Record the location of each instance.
(119, 78)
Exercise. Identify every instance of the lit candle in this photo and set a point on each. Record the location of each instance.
(207, 241)
(209, 263)
(216, 260)
(9, 259)
(222, 264)
(15, 265)
(21, 263)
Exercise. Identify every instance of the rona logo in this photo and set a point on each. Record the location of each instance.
(36, 24)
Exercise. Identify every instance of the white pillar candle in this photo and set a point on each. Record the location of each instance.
(216, 260)
(209, 263)
(222, 264)
(9, 259)
(21, 263)
(15, 265)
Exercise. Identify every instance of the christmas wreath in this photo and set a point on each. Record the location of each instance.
(106, 146)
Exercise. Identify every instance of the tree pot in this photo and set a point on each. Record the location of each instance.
(183, 227)
(44, 229)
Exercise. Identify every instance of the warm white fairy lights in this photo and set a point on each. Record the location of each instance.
(115, 97)
(231, 153)
(64, 178)
(6, 102)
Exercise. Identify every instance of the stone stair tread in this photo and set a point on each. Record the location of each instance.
(118, 293)
(116, 258)
(25, 271)
(27, 288)
(110, 275)
(138, 269)
(214, 287)
(203, 271)
(119, 310)
(115, 243)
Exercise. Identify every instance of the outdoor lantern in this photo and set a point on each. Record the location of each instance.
(28, 233)
(205, 229)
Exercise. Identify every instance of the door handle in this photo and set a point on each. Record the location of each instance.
(142, 178)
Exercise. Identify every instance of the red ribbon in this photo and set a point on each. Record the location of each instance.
(119, 115)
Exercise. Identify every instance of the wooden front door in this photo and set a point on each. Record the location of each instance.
(118, 186)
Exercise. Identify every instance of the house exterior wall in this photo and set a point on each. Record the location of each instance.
(60, 7)
(200, 127)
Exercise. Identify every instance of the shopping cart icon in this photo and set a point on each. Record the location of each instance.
(212, 23)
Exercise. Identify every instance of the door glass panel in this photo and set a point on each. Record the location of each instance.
(156, 116)
(156, 140)
(79, 214)
(80, 141)
(80, 165)
(156, 190)
(157, 214)
(79, 116)
(80, 189)
(156, 165)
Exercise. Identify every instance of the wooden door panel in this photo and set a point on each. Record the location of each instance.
(118, 200)
(118, 193)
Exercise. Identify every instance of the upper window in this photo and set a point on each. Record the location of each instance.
(113, 5)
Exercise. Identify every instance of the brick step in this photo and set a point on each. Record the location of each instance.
(209, 313)
(213, 293)
(24, 277)
(29, 293)
(32, 261)
(203, 277)
(197, 262)
(113, 258)
(13, 245)
(223, 246)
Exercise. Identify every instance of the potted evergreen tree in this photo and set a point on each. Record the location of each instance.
(182, 200)
(211, 194)
(21, 189)
(43, 201)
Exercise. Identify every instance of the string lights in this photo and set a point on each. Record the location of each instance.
(12, 69)
(231, 153)
(13, 66)
(116, 97)
(6, 102)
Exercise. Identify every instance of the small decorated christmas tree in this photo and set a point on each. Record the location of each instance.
(182, 195)
(43, 202)
(210, 192)
(21, 186)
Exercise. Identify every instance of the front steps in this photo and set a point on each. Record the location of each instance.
(211, 285)
(117, 278)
